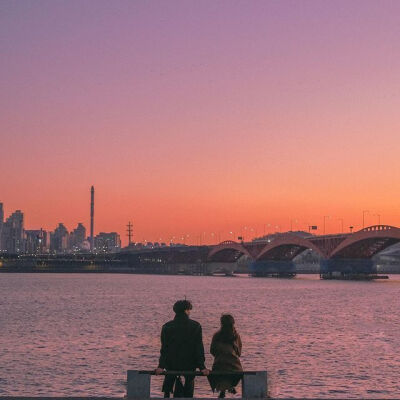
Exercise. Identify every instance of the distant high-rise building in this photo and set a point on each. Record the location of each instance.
(107, 242)
(77, 237)
(12, 236)
(92, 218)
(1, 224)
(36, 241)
(59, 239)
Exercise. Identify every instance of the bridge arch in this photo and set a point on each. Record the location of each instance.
(367, 242)
(287, 247)
(228, 251)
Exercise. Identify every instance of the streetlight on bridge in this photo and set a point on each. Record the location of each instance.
(341, 220)
(255, 231)
(252, 233)
(325, 217)
(379, 218)
(364, 212)
(245, 233)
(268, 228)
(311, 227)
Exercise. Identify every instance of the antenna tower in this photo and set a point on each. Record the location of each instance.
(130, 232)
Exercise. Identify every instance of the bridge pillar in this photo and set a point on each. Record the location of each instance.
(278, 268)
(218, 267)
(346, 267)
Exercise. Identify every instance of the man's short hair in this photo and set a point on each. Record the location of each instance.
(181, 306)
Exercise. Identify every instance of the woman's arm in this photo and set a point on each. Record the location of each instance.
(239, 345)
(213, 347)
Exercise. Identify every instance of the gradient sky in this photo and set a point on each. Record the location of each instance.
(200, 116)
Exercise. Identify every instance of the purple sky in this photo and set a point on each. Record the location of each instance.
(193, 116)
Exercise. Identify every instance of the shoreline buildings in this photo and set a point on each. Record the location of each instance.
(14, 239)
(37, 241)
(107, 242)
(12, 232)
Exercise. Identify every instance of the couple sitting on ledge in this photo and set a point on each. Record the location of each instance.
(182, 349)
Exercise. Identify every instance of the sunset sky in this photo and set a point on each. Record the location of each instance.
(200, 117)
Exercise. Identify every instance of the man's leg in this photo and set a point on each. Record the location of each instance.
(179, 388)
(188, 389)
(168, 385)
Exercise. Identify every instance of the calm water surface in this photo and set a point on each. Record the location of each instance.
(77, 334)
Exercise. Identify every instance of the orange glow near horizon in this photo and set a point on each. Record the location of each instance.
(193, 221)
(204, 125)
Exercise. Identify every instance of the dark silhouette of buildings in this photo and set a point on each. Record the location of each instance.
(37, 241)
(59, 239)
(14, 239)
(12, 233)
(77, 238)
(107, 242)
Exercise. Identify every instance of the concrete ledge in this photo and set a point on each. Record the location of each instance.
(156, 398)
(59, 398)
(254, 383)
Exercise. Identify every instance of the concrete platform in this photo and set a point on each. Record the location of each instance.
(111, 398)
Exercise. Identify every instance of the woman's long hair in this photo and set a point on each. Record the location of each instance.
(227, 332)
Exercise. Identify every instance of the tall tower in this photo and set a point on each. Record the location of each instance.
(91, 218)
(1, 224)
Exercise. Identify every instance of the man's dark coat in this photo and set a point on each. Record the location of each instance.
(182, 346)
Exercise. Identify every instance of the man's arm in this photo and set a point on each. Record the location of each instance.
(200, 359)
(162, 363)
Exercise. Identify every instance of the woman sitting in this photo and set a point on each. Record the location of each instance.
(226, 347)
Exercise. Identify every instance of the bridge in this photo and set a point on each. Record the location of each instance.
(341, 255)
(344, 256)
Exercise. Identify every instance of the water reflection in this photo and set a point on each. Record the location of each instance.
(78, 334)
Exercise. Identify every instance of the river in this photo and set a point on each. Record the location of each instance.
(77, 334)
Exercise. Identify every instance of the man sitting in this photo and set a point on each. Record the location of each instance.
(182, 349)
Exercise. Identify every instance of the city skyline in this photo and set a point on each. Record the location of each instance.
(198, 117)
(16, 239)
(244, 232)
